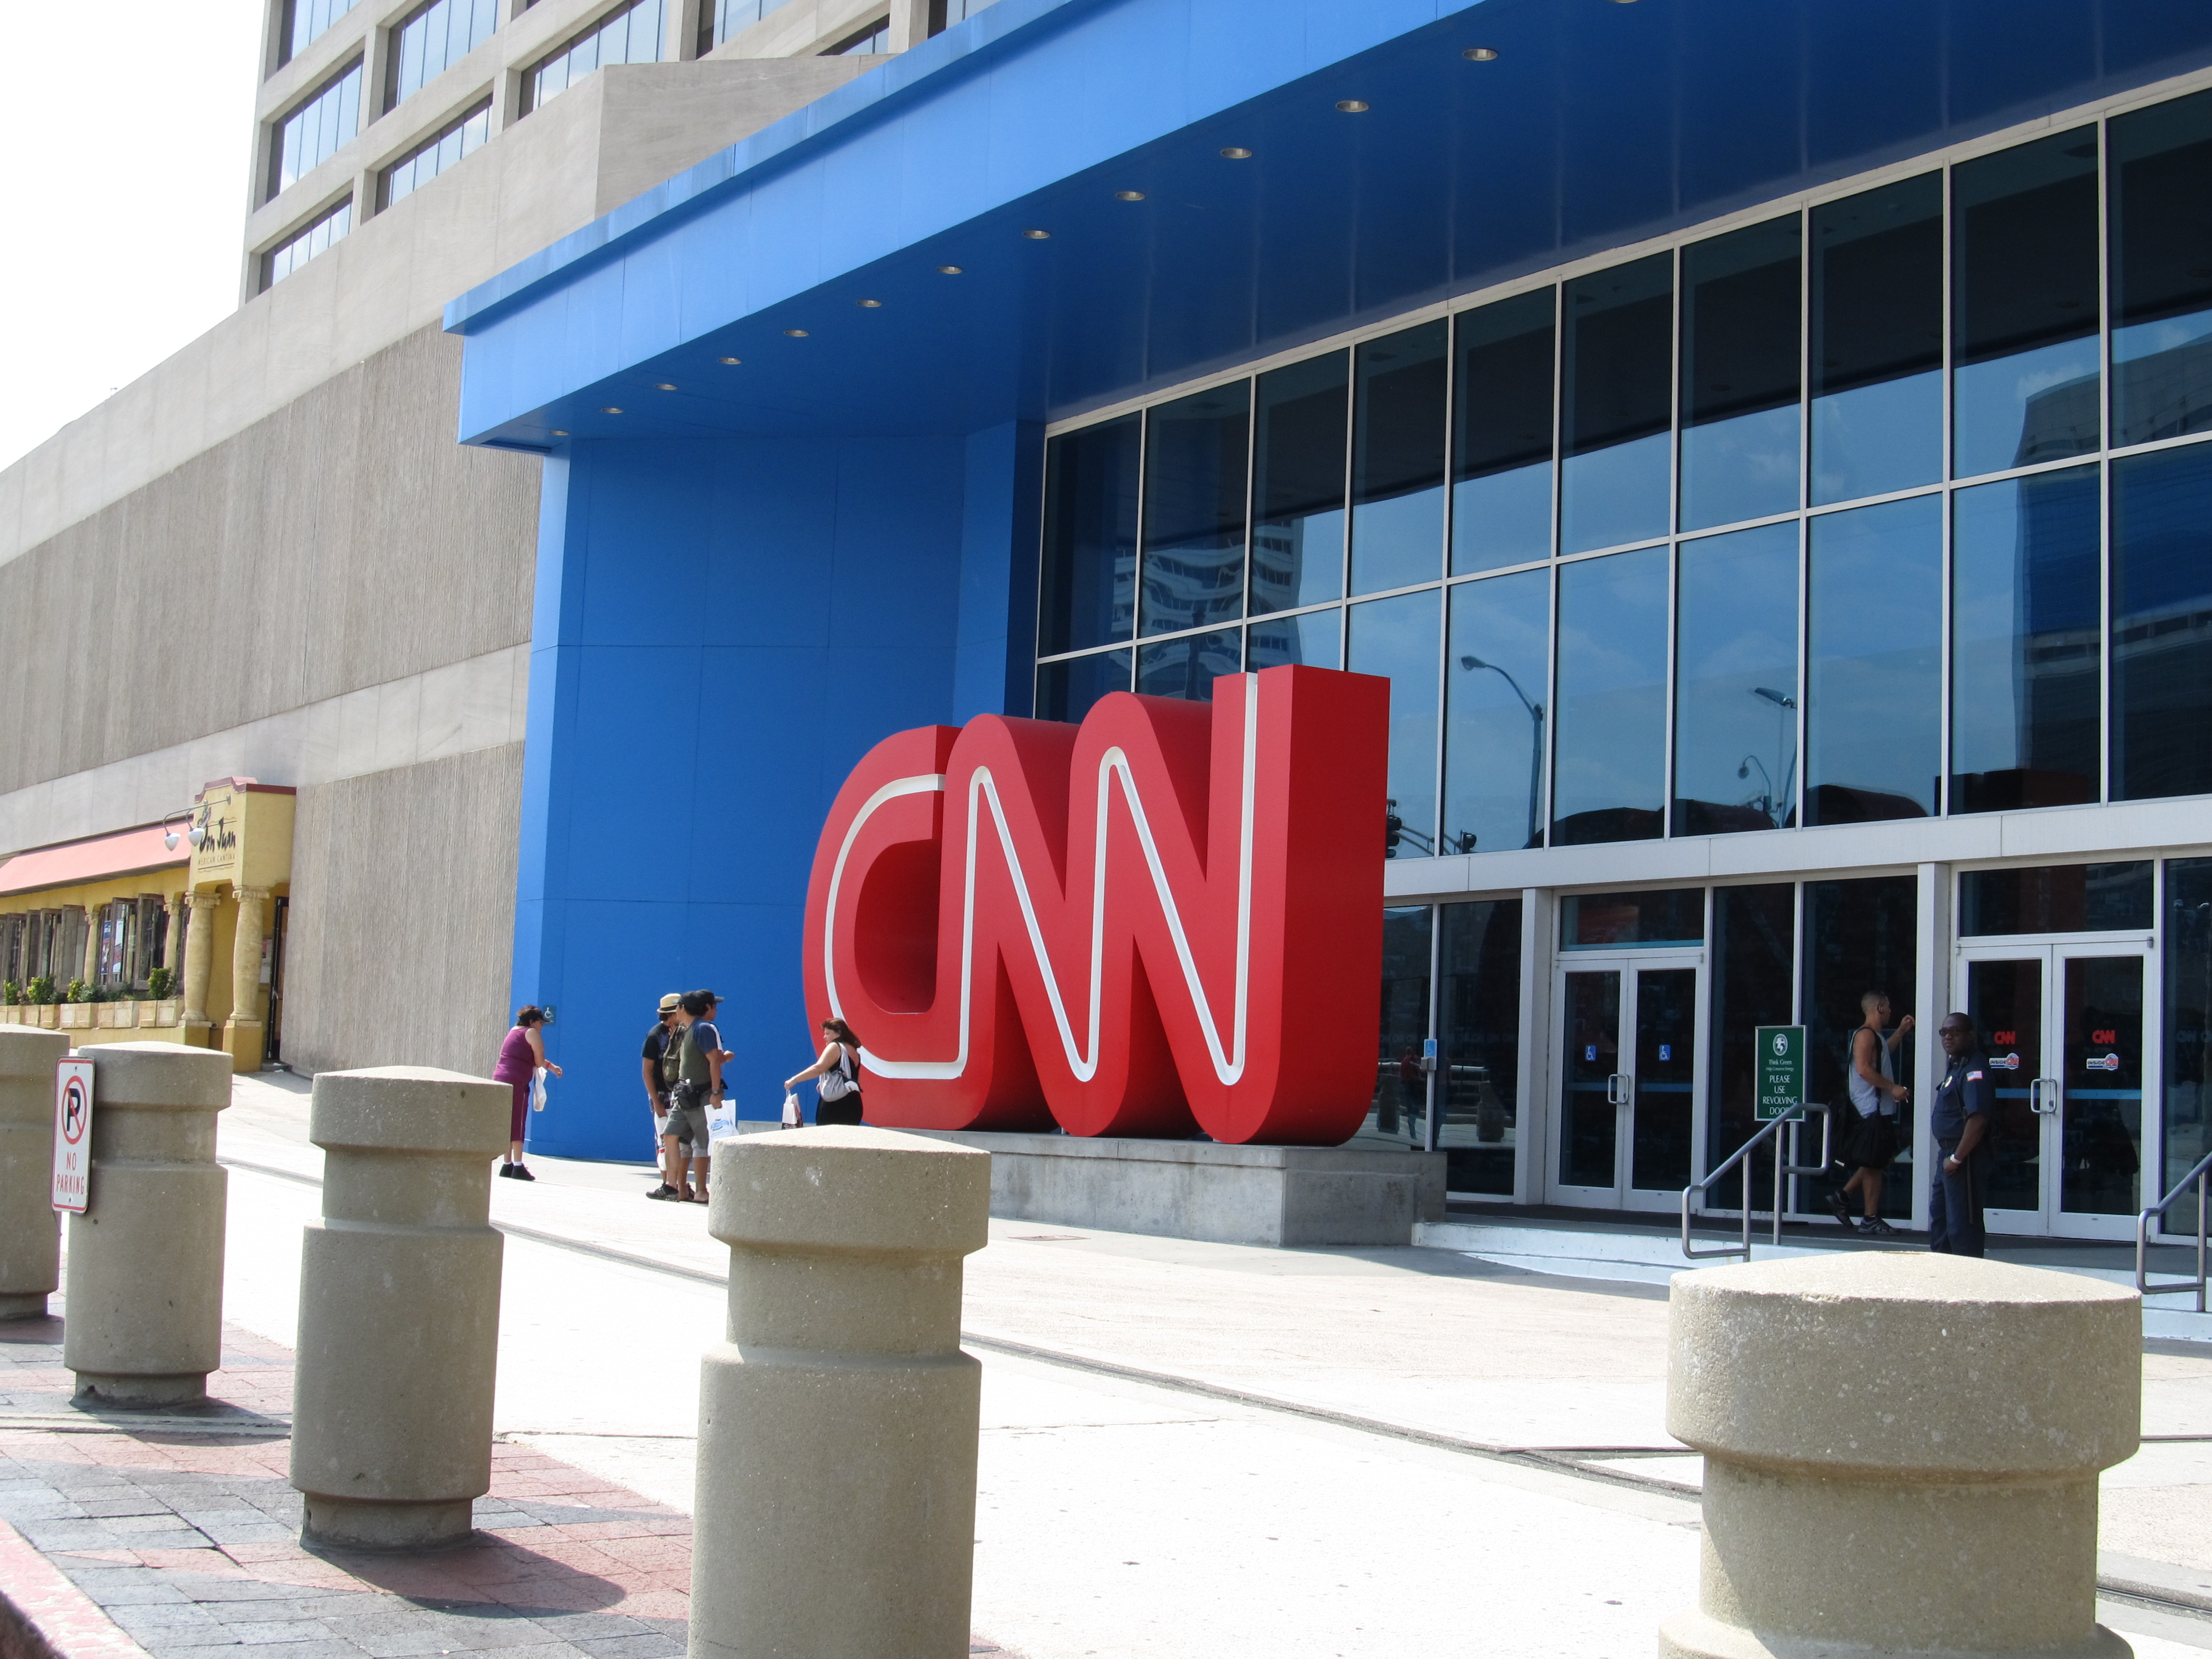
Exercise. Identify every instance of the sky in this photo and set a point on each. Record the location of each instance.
(128, 126)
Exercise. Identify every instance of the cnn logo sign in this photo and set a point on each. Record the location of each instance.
(1167, 919)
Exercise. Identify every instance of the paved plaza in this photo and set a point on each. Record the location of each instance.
(1188, 1449)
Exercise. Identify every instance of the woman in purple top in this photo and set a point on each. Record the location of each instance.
(519, 1057)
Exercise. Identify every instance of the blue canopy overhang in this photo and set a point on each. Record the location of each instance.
(1598, 123)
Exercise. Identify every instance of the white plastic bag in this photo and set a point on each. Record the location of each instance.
(721, 1121)
(792, 1119)
(537, 1091)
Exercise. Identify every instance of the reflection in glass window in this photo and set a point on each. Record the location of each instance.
(1494, 721)
(1740, 299)
(2161, 276)
(2057, 898)
(1396, 638)
(1186, 668)
(311, 133)
(1315, 638)
(1398, 460)
(1609, 759)
(305, 21)
(1197, 450)
(1607, 921)
(1860, 936)
(2026, 618)
(1618, 378)
(282, 261)
(632, 35)
(869, 42)
(1502, 434)
(1754, 941)
(2162, 623)
(2186, 1076)
(1877, 358)
(1478, 1044)
(1735, 682)
(1874, 633)
(2024, 288)
(433, 39)
(1089, 587)
(1398, 1115)
(1066, 690)
(1297, 484)
(720, 19)
(408, 174)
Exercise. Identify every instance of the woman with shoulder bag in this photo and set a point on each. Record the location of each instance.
(839, 1070)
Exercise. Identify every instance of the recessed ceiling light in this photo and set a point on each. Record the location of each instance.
(1038, 235)
(1352, 106)
(1236, 153)
(611, 409)
(948, 270)
(796, 333)
(667, 386)
(1128, 196)
(733, 361)
(871, 305)
(558, 433)
(1480, 54)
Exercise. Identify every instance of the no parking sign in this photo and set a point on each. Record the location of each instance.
(73, 1136)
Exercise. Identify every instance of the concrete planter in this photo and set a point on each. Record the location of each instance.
(149, 1013)
(116, 1016)
(78, 1016)
(50, 1016)
(170, 1010)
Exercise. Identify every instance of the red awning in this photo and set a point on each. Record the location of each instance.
(126, 853)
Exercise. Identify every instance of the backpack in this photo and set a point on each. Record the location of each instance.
(672, 1057)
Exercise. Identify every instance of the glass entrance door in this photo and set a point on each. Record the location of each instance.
(2062, 1027)
(1630, 1068)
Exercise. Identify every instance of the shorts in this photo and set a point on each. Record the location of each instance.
(688, 1124)
(520, 1116)
(846, 1109)
(1873, 1144)
(660, 1129)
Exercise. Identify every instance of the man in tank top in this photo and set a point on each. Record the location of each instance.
(1870, 1144)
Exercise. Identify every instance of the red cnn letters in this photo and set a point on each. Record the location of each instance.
(1168, 918)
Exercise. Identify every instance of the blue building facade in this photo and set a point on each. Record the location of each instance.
(1762, 441)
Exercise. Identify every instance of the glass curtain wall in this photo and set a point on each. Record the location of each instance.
(1585, 526)
(432, 40)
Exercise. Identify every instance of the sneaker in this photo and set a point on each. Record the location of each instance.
(1840, 1209)
(506, 1168)
(519, 1172)
(663, 1191)
(1876, 1227)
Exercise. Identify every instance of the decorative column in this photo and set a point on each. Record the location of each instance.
(30, 1239)
(1901, 1454)
(837, 1424)
(241, 1037)
(399, 1284)
(90, 972)
(199, 963)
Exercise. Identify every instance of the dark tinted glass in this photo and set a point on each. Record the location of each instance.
(1501, 434)
(1399, 1113)
(1066, 690)
(1609, 764)
(1617, 375)
(1196, 453)
(1600, 921)
(1859, 937)
(2025, 624)
(2186, 1076)
(1297, 484)
(2024, 288)
(1875, 632)
(2057, 898)
(1735, 682)
(2162, 276)
(2162, 624)
(1315, 638)
(1088, 589)
(1741, 300)
(1398, 460)
(1877, 354)
(1187, 667)
(1754, 942)
(1494, 725)
(1478, 1044)
(1397, 638)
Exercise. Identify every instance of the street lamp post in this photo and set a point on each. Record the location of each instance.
(1535, 737)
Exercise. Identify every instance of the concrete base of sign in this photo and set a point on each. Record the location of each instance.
(1275, 1195)
(1693, 1635)
(112, 1389)
(23, 1306)
(350, 1523)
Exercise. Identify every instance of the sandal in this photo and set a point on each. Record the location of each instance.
(683, 1197)
(702, 1198)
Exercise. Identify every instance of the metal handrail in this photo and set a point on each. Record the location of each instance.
(1784, 1165)
(2200, 1176)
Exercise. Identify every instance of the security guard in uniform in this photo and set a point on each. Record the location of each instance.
(1960, 1121)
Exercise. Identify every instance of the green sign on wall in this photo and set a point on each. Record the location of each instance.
(1781, 1070)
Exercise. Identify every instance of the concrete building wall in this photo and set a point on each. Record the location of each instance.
(403, 916)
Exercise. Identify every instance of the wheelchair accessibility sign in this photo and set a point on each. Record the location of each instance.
(73, 1136)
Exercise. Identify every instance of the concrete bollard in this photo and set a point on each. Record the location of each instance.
(391, 1415)
(30, 1236)
(837, 1426)
(1901, 1454)
(145, 1262)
